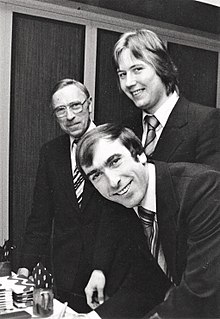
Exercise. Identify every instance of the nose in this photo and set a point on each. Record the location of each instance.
(113, 178)
(69, 114)
(130, 80)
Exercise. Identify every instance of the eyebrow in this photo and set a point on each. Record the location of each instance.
(106, 163)
(131, 67)
(92, 172)
(109, 160)
(119, 70)
(71, 103)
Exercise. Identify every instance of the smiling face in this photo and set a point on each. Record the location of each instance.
(116, 174)
(72, 124)
(139, 81)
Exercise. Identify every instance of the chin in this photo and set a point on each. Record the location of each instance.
(76, 134)
(129, 204)
(126, 206)
(139, 105)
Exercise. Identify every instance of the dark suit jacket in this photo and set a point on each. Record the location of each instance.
(55, 208)
(188, 207)
(135, 283)
(191, 134)
(76, 232)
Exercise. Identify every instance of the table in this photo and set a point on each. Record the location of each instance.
(57, 307)
(13, 281)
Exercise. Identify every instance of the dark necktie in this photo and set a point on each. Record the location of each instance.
(150, 142)
(78, 181)
(147, 218)
(150, 225)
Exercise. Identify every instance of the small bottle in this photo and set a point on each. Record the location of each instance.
(43, 302)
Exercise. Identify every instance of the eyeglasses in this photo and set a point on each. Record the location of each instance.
(76, 108)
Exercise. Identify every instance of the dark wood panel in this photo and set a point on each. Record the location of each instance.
(111, 104)
(197, 72)
(186, 13)
(43, 51)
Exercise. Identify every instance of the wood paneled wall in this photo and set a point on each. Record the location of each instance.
(43, 52)
(197, 72)
(111, 104)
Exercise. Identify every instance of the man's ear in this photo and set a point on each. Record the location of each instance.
(142, 158)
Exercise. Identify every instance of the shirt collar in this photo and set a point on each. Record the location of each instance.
(163, 113)
(91, 126)
(149, 200)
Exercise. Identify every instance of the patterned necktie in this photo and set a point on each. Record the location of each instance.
(147, 218)
(150, 225)
(150, 142)
(78, 181)
(78, 184)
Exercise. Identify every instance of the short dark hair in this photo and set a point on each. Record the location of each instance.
(65, 82)
(108, 131)
(148, 47)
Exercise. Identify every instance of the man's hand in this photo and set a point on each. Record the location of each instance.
(95, 289)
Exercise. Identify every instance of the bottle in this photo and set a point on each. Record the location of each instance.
(43, 302)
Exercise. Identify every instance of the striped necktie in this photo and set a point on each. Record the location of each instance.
(78, 181)
(78, 184)
(150, 142)
(150, 225)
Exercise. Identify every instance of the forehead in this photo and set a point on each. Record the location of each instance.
(127, 59)
(69, 93)
(104, 149)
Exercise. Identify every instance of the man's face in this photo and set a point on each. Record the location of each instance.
(116, 174)
(139, 81)
(72, 124)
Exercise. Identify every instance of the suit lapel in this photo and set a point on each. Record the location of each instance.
(172, 135)
(64, 171)
(167, 209)
(63, 167)
(87, 194)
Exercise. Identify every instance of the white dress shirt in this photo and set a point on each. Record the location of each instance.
(162, 114)
(149, 203)
(149, 200)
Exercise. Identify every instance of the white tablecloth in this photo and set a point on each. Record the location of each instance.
(57, 308)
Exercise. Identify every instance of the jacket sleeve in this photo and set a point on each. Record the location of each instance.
(208, 139)
(36, 241)
(135, 283)
(198, 293)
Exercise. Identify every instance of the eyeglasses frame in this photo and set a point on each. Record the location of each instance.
(68, 106)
